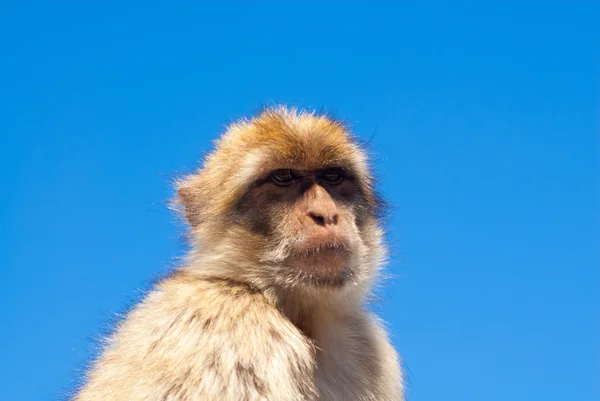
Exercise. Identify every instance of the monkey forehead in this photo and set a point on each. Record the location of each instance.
(281, 138)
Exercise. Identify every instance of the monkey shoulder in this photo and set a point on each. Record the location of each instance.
(389, 382)
(201, 338)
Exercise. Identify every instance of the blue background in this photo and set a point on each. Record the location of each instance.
(484, 122)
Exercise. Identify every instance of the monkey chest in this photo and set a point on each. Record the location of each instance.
(346, 372)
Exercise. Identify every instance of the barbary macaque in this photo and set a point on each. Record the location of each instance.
(271, 301)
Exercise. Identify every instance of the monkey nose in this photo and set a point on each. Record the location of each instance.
(323, 218)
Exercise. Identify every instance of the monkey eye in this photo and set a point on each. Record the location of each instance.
(283, 177)
(333, 175)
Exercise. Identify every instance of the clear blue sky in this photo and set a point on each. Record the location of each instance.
(485, 125)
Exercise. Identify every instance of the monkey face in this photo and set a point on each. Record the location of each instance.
(310, 221)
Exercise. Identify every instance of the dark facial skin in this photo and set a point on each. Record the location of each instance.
(286, 190)
(318, 210)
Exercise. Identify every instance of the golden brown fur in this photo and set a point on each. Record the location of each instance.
(270, 304)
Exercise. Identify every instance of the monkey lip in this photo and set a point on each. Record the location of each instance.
(325, 259)
(316, 248)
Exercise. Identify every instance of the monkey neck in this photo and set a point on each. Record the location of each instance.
(313, 312)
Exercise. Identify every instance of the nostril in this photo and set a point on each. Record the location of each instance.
(323, 219)
(320, 220)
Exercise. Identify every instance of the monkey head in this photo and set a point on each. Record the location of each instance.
(285, 200)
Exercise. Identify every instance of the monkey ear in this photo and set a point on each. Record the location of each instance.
(184, 194)
(191, 204)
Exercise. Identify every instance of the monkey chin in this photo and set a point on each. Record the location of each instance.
(322, 266)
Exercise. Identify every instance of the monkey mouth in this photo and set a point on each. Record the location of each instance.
(322, 248)
(323, 260)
